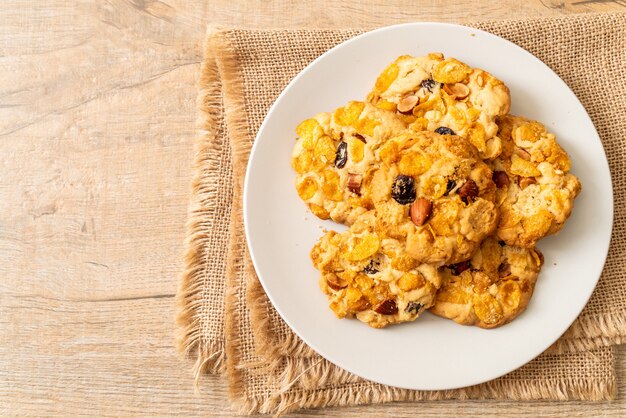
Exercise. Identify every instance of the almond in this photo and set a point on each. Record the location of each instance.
(420, 211)
(501, 179)
(407, 103)
(334, 282)
(354, 183)
(480, 80)
(468, 191)
(524, 182)
(388, 307)
(457, 90)
(504, 270)
(522, 153)
(459, 268)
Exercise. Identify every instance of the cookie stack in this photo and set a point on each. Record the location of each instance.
(445, 193)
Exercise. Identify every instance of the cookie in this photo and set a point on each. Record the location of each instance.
(535, 192)
(332, 154)
(434, 193)
(447, 95)
(371, 277)
(492, 288)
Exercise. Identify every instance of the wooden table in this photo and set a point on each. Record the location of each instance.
(97, 111)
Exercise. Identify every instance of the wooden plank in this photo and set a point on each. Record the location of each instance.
(97, 112)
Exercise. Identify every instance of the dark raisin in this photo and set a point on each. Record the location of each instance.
(341, 156)
(468, 191)
(413, 307)
(451, 185)
(443, 130)
(360, 137)
(429, 84)
(403, 189)
(501, 179)
(372, 267)
(502, 243)
(388, 307)
(459, 268)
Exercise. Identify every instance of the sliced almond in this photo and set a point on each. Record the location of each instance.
(407, 103)
(457, 90)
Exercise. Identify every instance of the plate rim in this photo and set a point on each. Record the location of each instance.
(245, 196)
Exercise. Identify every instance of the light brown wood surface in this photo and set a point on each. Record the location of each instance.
(97, 112)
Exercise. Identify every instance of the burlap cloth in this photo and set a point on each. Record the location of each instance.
(228, 324)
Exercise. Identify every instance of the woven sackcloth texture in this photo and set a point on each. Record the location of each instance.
(226, 319)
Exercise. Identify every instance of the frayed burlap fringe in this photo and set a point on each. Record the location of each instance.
(267, 344)
(589, 333)
(232, 91)
(210, 355)
(351, 394)
(586, 333)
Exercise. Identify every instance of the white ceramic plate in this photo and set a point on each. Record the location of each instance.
(430, 353)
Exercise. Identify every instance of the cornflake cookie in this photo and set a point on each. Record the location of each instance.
(492, 288)
(434, 193)
(446, 95)
(372, 278)
(535, 192)
(332, 154)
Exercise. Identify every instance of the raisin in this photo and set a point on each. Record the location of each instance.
(413, 307)
(341, 156)
(443, 130)
(501, 243)
(403, 189)
(468, 191)
(451, 185)
(459, 268)
(388, 307)
(501, 179)
(372, 267)
(429, 84)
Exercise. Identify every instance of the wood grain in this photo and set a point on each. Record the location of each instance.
(97, 111)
